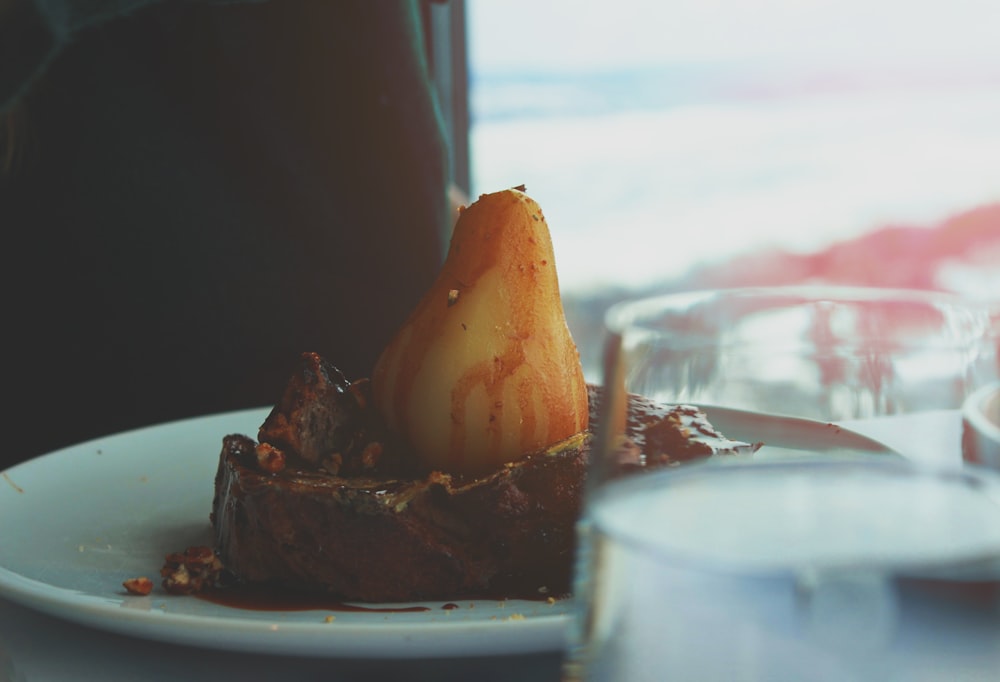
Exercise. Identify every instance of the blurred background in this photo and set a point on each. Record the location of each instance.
(703, 143)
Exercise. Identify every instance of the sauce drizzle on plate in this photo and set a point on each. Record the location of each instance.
(264, 599)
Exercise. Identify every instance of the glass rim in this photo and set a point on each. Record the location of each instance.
(636, 313)
(973, 410)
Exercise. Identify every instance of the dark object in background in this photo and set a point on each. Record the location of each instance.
(201, 192)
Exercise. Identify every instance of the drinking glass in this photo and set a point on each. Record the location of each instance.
(827, 353)
(823, 555)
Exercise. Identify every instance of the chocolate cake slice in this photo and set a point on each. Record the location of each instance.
(326, 501)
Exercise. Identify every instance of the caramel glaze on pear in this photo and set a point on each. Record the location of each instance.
(485, 370)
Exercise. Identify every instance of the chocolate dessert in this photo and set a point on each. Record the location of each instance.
(326, 500)
(457, 471)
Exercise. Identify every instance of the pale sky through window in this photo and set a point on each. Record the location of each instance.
(587, 35)
(748, 123)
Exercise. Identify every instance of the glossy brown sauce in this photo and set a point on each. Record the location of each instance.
(262, 598)
(269, 599)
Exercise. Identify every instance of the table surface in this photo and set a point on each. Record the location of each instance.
(38, 648)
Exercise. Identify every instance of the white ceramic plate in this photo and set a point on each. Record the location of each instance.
(75, 523)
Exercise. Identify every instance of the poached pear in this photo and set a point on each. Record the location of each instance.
(485, 370)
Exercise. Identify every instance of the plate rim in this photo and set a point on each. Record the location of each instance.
(274, 632)
(534, 633)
